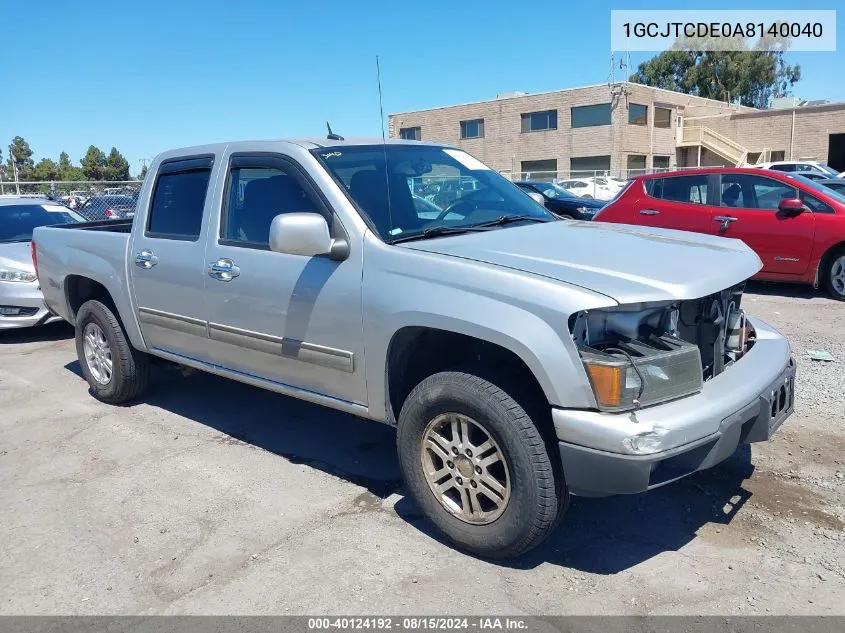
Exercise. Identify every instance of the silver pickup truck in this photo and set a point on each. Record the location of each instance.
(521, 358)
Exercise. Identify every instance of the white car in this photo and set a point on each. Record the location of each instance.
(597, 187)
(799, 165)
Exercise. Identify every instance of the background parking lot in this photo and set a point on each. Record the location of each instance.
(212, 497)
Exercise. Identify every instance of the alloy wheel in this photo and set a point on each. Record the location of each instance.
(465, 468)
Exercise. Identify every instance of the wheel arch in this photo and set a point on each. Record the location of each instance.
(416, 352)
(824, 261)
(81, 288)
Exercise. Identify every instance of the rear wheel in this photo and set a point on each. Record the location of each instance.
(116, 372)
(477, 465)
(834, 274)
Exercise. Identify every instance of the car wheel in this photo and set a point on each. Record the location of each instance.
(116, 372)
(834, 279)
(587, 196)
(478, 466)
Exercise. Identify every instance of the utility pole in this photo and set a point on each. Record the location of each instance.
(15, 168)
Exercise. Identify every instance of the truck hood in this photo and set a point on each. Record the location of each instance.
(16, 255)
(629, 264)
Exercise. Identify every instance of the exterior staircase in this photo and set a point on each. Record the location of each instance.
(731, 151)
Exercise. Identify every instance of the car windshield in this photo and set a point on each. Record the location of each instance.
(17, 221)
(466, 192)
(553, 191)
(817, 186)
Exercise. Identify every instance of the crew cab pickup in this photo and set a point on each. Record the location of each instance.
(522, 358)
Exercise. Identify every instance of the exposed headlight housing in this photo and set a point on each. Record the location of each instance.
(631, 374)
(634, 357)
(13, 274)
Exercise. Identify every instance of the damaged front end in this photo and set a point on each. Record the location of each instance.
(644, 354)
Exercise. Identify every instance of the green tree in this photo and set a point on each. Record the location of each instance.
(117, 167)
(753, 76)
(67, 170)
(46, 169)
(143, 173)
(94, 164)
(21, 153)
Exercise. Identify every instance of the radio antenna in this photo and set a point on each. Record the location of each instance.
(384, 150)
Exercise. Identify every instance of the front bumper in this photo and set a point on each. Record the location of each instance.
(623, 453)
(28, 298)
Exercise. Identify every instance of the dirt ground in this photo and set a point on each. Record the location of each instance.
(212, 497)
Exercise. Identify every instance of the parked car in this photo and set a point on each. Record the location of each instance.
(837, 184)
(800, 165)
(598, 188)
(561, 202)
(110, 207)
(812, 175)
(795, 225)
(21, 302)
(521, 358)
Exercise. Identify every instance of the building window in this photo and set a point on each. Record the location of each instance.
(537, 121)
(586, 166)
(660, 162)
(592, 115)
(637, 114)
(472, 129)
(662, 117)
(539, 169)
(636, 164)
(778, 155)
(410, 133)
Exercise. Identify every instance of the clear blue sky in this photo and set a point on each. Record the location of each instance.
(148, 76)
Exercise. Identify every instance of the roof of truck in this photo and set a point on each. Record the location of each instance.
(309, 143)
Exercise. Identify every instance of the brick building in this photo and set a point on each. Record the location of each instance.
(624, 128)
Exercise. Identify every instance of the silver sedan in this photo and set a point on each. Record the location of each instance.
(21, 302)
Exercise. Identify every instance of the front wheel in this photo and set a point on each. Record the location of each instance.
(116, 372)
(477, 465)
(834, 275)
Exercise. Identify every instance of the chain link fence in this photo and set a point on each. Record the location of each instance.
(93, 200)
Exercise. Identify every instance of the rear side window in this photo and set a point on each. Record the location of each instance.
(178, 201)
(689, 189)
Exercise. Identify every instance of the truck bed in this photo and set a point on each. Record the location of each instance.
(111, 226)
(91, 250)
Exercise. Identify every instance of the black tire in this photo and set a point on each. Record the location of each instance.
(537, 493)
(130, 367)
(827, 273)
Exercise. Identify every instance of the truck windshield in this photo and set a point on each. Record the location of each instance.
(424, 187)
(18, 221)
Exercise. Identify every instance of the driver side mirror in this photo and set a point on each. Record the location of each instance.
(305, 234)
(791, 207)
(537, 197)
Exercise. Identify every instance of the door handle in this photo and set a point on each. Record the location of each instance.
(223, 269)
(649, 212)
(725, 220)
(146, 259)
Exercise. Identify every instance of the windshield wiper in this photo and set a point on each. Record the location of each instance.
(507, 219)
(436, 231)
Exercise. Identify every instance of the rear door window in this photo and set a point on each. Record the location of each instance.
(178, 200)
(689, 189)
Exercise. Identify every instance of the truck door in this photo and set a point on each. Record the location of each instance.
(749, 212)
(289, 319)
(166, 259)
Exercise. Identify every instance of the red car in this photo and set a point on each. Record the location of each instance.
(795, 225)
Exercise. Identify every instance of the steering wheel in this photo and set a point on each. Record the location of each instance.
(456, 206)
